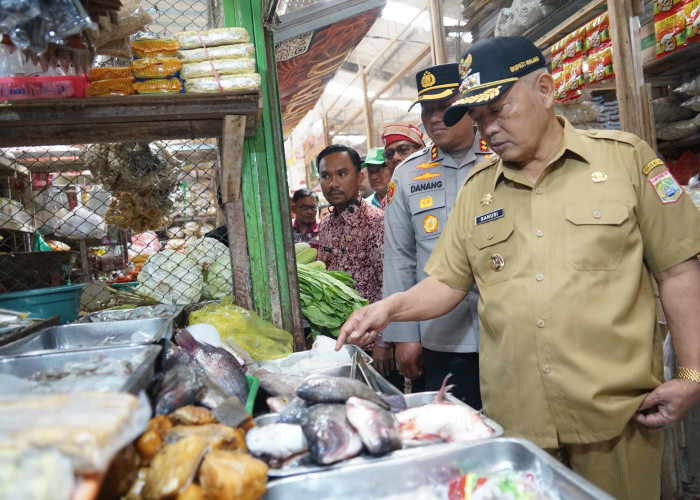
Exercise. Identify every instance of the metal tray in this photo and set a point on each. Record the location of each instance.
(429, 470)
(24, 366)
(143, 312)
(412, 400)
(87, 335)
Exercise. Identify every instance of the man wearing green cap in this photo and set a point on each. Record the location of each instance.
(421, 194)
(562, 233)
(379, 175)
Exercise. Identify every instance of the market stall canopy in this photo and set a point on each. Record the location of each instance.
(311, 42)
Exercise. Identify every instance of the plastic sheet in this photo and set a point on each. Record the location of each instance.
(262, 340)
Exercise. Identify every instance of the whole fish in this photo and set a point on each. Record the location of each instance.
(330, 436)
(377, 427)
(329, 389)
(278, 384)
(293, 411)
(178, 382)
(220, 366)
(442, 419)
(279, 441)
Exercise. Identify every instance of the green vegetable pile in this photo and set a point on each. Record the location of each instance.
(327, 297)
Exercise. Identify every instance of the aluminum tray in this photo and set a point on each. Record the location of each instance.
(412, 400)
(143, 312)
(24, 366)
(431, 469)
(87, 335)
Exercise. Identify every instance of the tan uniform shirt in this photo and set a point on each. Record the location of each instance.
(569, 342)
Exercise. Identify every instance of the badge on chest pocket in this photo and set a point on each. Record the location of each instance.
(428, 213)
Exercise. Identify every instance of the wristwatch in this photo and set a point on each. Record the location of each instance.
(688, 374)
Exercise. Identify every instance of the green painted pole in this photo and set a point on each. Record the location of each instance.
(264, 188)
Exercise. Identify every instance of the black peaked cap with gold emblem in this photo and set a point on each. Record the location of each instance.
(437, 83)
(488, 69)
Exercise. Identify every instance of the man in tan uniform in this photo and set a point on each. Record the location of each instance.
(561, 234)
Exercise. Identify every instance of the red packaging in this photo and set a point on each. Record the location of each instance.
(558, 55)
(691, 13)
(670, 33)
(597, 32)
(600, 66)
(573, 48)
(559, 85)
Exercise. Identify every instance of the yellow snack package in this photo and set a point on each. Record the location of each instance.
(111, 87)
(155, 67)
(109, 73)
(159, 86)
(154, 47)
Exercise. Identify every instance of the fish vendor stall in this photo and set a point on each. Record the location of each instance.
(156, 403)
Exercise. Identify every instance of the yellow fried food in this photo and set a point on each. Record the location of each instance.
(148, 445)
(216, 436)
(191, 415)
(232, 474)
(192, 492)
(173, 468)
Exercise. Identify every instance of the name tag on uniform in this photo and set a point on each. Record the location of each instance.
(483, 219)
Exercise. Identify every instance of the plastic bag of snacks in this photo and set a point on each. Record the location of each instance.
(691, 13)
(154, 47)
(155, 67)
(159, 86)
(671, 131)
(112, 87)
(600, 65)
(109, 73)
(211, 38)
(669, 26)
(222, 67)
(250, 81)
(597, 32)
(244, 50)
(668, 109)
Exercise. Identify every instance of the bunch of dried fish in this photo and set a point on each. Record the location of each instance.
(188, 454)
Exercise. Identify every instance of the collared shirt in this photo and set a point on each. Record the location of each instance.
(373, 200)
(424, 189)
(310, 236)
(353, 241)
(570, 345)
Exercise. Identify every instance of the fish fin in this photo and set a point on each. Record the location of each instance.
(185, 340)
(396, 402)
(440, 397)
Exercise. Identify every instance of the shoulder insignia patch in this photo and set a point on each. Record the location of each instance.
(425, 165)
(433, 152)
(666, 187)
(651, 166)
(426, 176)
(390, 192)
(483, 147)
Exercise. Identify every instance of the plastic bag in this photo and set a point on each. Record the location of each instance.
(145, 243)
(222, 66)
(248, 81)
(221, 52)
(211, 38)
(672, 131)
(262, 340)
(668, 109)
(81, 223)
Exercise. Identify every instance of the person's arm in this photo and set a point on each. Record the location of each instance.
(428, 299)
(679, 290)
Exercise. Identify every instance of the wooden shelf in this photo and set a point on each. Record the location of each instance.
(43, 122)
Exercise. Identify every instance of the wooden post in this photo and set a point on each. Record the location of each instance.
(231, 164)
(84, 263)
(437, 30)
(367, 106)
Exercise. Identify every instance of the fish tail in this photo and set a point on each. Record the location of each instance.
(185, 340)
(440, 397)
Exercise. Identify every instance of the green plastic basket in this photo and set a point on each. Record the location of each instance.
(253, 385)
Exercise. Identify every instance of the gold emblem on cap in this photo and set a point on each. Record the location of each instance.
(497, 262)
(428, 79)
(599, 177)
(464, 65)
(486, 199)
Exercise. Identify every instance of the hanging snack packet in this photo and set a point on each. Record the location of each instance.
(558, 55)
(156, 67)
(670, 34)
(575, 81)
(663, 7)
(574, 45)
(597, 32)
(600, 65)
(154, 47)
(691, 13)
(559, 85)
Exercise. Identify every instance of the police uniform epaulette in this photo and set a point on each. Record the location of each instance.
(615, 135)
(481, 166)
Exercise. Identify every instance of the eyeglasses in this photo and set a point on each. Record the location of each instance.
(308, 208)
(402, 150)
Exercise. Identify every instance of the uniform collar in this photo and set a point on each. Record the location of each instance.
(572, 146)
(354, 216)
(446, 160)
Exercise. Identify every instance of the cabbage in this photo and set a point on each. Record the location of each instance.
(215, 259)
(171, 278)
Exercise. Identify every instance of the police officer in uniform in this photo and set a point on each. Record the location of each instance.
(419, 200)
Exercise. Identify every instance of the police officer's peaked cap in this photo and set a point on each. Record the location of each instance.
(437, 83)
(488, 69)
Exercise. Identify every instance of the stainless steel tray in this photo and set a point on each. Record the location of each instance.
(87, 335)
(143, 312)
(142, 358)
(421, 473)
(412, 400)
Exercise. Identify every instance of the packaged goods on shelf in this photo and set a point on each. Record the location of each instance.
(692, 104)
(691, 14)
(131, 18)
(578, 113)
(671, 131)
(155, 67)
(154, 47)
(668, 109)
(222, 66)
(221, 52)
(159, 86)
(211, 38)
(249, 81)
(109, 73)
(522, 14)
(669, 27)
(111, 87)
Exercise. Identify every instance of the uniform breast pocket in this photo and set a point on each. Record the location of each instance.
(494, 255)
(428, 214)
(596, 235)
